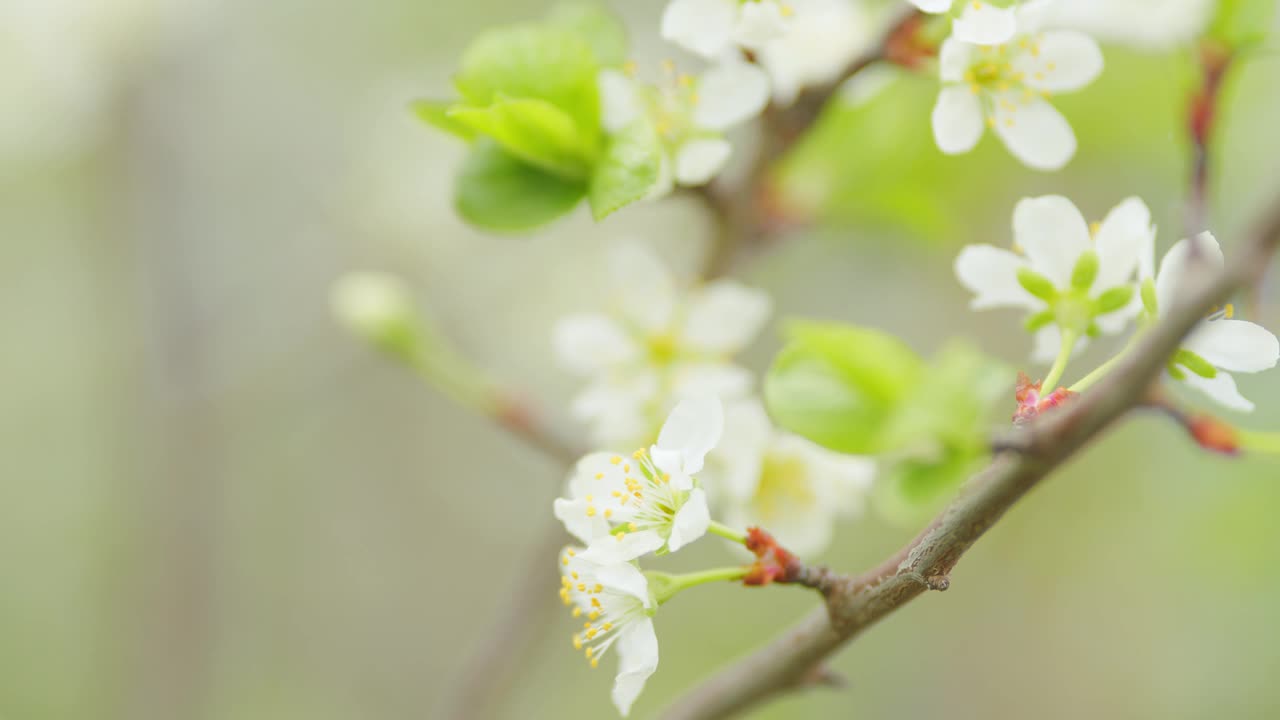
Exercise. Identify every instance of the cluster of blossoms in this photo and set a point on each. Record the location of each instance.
(623, 508)
(1077, 281)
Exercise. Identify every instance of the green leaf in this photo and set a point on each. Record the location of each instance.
(1242, 23)
(838, 385)
(599, 27)
(541, 62)
(436, 112)
(496, 191)
(952, 402)
(914, 489)
(534, 131)
(630, 168)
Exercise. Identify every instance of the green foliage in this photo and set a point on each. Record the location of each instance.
(858, 390)
(530, 106)
(497, 191)
(1242, 23)
(838, 385)
(607, 36)
(630, 168)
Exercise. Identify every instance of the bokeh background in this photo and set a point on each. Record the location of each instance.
(215, 504)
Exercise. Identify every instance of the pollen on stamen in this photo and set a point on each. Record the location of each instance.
(619, 536)
(593, 615)
(615, 459)
(786, 11)
(608, 512)
(591, 511)
(595, 662)
(607, 626)
(599, 588)
(577, 641)
(631, 527)
(577, 612)
(582, 587)
(638, 454)
(599, 476)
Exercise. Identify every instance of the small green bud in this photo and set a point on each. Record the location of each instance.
(1195, 364)
(1086, 271)
(1038, 321)
(1149, 296)
(1093, 331)
(1117, 298)
(379, 308)
(1037, 284)
(1175, 372)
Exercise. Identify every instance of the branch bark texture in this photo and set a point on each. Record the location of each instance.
(854, 604)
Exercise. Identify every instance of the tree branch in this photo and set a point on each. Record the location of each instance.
(926, 563)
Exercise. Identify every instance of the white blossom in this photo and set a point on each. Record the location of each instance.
(1047, 274)
(1218, 346)
(625, 507)
(1142, 24)
(715, 28)
(656, 344)
(1006, 86)
(618, 607)
(979, 22)
(793, 488)
(690, 114)
(823, 38)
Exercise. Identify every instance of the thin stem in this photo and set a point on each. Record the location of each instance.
(666, 586)
(1260, 442)
(727, 532)
(1069, 340)
(1101, 371)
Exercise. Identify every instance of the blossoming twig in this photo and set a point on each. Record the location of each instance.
(927, 561)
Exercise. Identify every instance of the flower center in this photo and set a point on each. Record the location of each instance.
(662, 348)
(999, 74)
(783, 482)
(605, 609)
(670, 102)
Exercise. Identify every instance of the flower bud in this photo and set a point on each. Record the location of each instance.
(379, 308)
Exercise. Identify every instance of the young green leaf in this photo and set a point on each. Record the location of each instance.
(628, 171)
(436, 112)
(535, 61)
(496, 191)
(596, 25)
(534, 131)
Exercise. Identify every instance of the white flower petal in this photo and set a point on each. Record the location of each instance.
(697, 161)
(729, 94)
(954, 59)
(759, 23)
(957, 120)
(733, 468)
(724, 317)
(1066, 61)
(691, 521)
(590, 343)
(932, 6)
(722, 380)
(608, 549)
(1222, 390)
(1035, 132)
(1053, 234)
(691, 430)
(840, 481)
(1178, 276)
(1034, 15)
(991, 273)
(982, 23)
(1123, 237)
(619, 99)
(1048, 342)
(573, 514)
(637, 660)
(646, 290)
(1235, 345)
(704, 27)
(626, 579)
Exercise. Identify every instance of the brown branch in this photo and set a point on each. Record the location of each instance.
(748, 213)
(927, 562)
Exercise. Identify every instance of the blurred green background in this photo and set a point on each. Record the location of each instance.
(216, 504)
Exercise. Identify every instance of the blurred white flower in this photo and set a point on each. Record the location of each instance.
(823, 38)
(656, 345)
(794, 489)
(1143, 24)
(1221, 344)
(618, 606)
(1006, 86)
(979, 22)
(690, 114)
(715, 28)
(625, 507)
(1069, 276)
